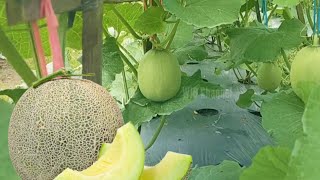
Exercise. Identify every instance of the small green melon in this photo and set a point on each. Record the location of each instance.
(305, 71)
(159, 75)
(269, 76)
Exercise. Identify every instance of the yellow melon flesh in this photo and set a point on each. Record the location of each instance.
(173, 166)
(123, 160)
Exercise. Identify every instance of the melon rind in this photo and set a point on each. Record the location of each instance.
(305, 71)
(61, 124)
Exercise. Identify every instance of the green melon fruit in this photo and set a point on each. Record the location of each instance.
(159, 75)
(122, 160)
(269, 76)
(61, 124)
(305, 71)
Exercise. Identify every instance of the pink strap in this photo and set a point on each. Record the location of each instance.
(48, 12)
(39, 49)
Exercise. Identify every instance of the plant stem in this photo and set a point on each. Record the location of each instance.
(125, 59)
(287, 11)
(258, 11)
(240, 73)
(125, 85)
(309, 18)
(219, 41)
(272, 11)
(236, 74)
(299, 9)
(128, 53)
(35, 57)
(285, 58)
(246, 16)
(131, 30)
(250, 68)
(155, 136)
(171, 35)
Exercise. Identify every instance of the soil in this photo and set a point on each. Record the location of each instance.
(9, 79)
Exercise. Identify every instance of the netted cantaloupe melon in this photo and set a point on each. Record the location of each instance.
(121, 160)
(61, 124)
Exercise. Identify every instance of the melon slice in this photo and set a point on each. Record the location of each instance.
(173, 166)
(123, 160)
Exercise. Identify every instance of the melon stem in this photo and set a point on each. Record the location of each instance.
(155, 136)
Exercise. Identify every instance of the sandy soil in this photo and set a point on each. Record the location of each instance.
(9, 79)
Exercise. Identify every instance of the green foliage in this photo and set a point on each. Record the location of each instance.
(141, 110)
(227, 170)
(269, 163)
(14, 94)
(288, 3)
(258, 44)
(244, 100)
(130, 11)
(151, 21)
(304, 163)
(112, 62)
(6, 169)
(206, 13)
(281, 116)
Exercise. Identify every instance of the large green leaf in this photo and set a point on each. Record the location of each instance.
(14, 94)
(205, 13)
(258, 44)
(112, 63)
(305, 161)
(151, 21)
(183, 35)
(74, 34)
(227, 170)
(281, 115)
(191, 53)
(269, 163)
(141, 110)
(286, 2)
(6, 169)
(130, 12)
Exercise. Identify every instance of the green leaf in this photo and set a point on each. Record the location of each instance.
(112, 63)
(183, 35)
(14, 94)
(117, 89)
(74, 34)
(130, 12)
(141, 110)
(305, 162)
(258, 44)
(6, 169)
(151, 21)
(191, 53)
(227, 170)
(205, 13)
(19, 35)
(287, 3)
(281, 115)
(244, 100)
(269, 163)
